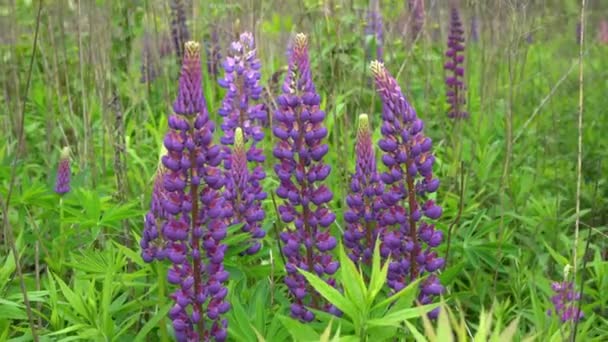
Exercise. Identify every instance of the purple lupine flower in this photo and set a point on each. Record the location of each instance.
(179, 28)
(602, 31)
(456, 89)
(416, 8)
(298, 126)
(212, 49)
(241, 114)
(409, 234)
(364, 201)
(374, 28)
(579, 29)
(565, 302)
(191, 217)
(152, 244)
(149, 60)
(475, 28)
(64, 173)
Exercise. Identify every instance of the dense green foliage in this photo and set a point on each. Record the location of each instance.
(508, 174)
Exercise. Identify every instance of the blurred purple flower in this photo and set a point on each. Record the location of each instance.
(188, 213)
(374, 31)
(602, 31)
(565, 302)
(416, 8)
(364, 200)
(214, 55)
(64, 172)
(456, 89)
(179, 28)
(475, 28)
(298, 126)
(409, 235)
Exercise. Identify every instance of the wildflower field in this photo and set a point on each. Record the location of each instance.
(332, 170)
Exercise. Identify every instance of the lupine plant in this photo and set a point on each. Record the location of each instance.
(416, 8)
(299, 129)
(454, 81)
(565, 300)
(64, 172)
(243, 120)
(179, 28)
(365, 198)
(374, 31)
(212, 49)
(188, 214)
(410, 235)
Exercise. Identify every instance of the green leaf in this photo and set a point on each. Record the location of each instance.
(330, 294)
(378, 276)
(352, 281)
(153, 322)
(408, 293)
(299, 331)
(395, 319)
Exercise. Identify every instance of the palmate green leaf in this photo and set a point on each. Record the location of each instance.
(444, 329)
(330, 294)
(395, 319)
(11, 310)
(560, 259)
(75, 301)
(352, 281)
(299, 331)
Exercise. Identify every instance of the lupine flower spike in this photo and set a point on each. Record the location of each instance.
(454, 81)
(566, 300)
(187, 220)
(410, 235)
(374, 30)
(365, 198)
(298, 126)
(179, 28)
(64, 173)
(212, 48)
(241, 113)
(417, 17)
(475, 28)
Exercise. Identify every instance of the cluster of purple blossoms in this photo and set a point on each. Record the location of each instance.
(242, 116)
(187, 220)
(456, 90)
(364, 200)
(64, 173)
(416, 8)
(179, 28)
(374, 28)
(408, 213)
(214, 55)
(565, 302)
(298, 126)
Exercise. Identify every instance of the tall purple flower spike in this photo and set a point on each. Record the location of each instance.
(410, 235)
(241, 112)
(214, 55)
(188, 215)
(475, 28)
(64, 173)
(179, 28)
(456, 90)
(374, 28)
(417, 17)
(298, 126)
(364, 200)
(565, 302)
